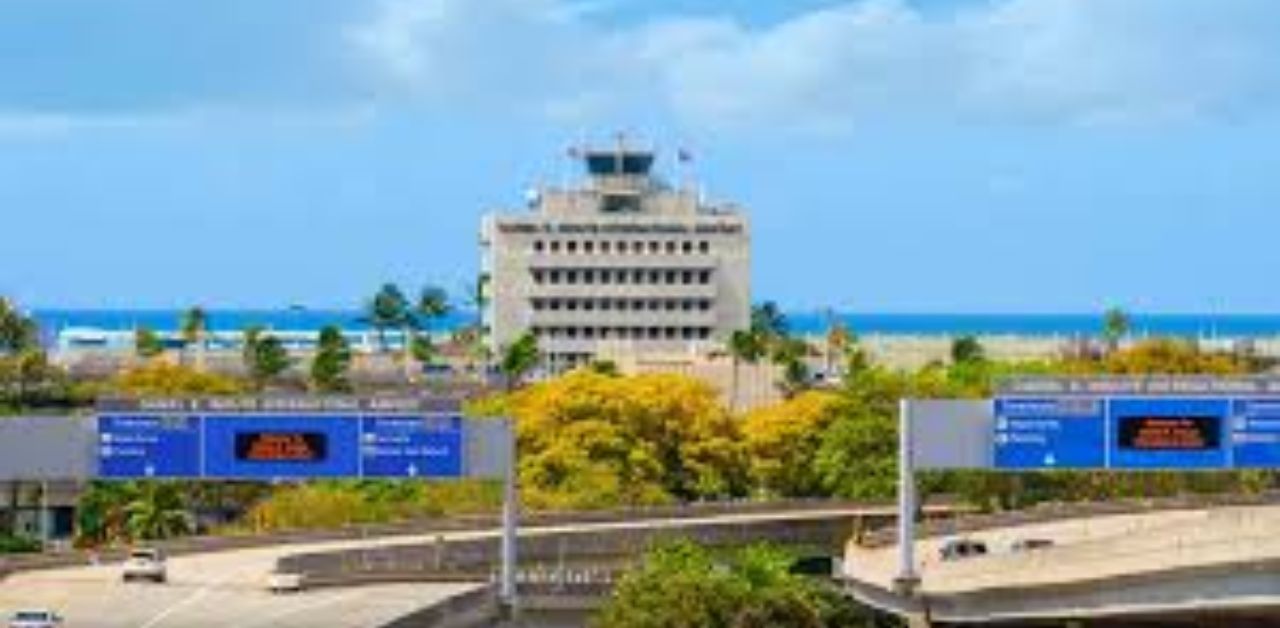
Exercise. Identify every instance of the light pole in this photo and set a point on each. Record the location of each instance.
(510, 517)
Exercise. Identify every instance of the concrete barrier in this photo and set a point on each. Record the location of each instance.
(477, 558)
(203, 544)
(473, 609)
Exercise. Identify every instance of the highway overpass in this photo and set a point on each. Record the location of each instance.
(1194, 566)
(226, 588)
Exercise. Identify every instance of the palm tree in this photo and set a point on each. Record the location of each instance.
(332, 359)
(194, 324)
(790, 354)
(1115, 325)
(157, 512)
(744, 346)
(432, 305)
(768, 320)
(473, 339)
(100, 511)
(519, 358)
(18, 331)
(386, 310)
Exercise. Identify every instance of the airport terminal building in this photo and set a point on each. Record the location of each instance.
(622, 263)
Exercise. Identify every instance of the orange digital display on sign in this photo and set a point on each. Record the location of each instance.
(281, 446)
(1170, 433)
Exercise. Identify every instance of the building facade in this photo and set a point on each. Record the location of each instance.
(620, 264)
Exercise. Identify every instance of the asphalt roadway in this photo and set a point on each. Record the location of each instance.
(211, 590)
(227, 589)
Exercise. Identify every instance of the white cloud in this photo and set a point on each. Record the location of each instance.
(1060, 61)
(21, 124)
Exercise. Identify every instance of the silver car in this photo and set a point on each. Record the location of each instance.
(145, 564)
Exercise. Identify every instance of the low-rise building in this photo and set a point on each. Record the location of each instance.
(623, 262)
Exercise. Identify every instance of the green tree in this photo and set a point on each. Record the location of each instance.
(250, 336)
(157, 511)
(791, 354)
(146, 343)
(432, 306)
(519, 358)
(332, 361)
(1115, 326)
(100, 512)
(682, 584)
(388, 309)
(422, 349)
(18, 332)
(768, 320)
(967, 350)
(194, 327)
(268, 358)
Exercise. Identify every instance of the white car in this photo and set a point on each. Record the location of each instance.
(145, 564)
(283, 582)
(35, 619)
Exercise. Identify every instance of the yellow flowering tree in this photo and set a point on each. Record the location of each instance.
(591, 439)
(784, 439)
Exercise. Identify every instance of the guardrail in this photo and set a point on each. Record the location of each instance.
(1044, 513)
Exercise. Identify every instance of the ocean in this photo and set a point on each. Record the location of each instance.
(1186, 325)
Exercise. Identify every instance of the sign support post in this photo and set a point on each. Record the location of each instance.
(510, 516)
(907, 578)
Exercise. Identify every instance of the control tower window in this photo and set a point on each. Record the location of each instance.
(620, 203)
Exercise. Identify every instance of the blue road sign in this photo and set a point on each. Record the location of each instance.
(1050, 433)
(281, 446)
(411, 446)
(1255, 433)
(1136, 432)
(142, 446)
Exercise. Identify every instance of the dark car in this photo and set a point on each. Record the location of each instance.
(1030, 545)
(959, 549)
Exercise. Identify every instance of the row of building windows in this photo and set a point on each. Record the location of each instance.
(607, 276)
(621, 305)
(606, 247)
(622, 333)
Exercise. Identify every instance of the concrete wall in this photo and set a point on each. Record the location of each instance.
(479, 557)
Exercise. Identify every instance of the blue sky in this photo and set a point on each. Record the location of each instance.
(973, 156)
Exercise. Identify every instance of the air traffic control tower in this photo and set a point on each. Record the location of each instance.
(620, 263)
